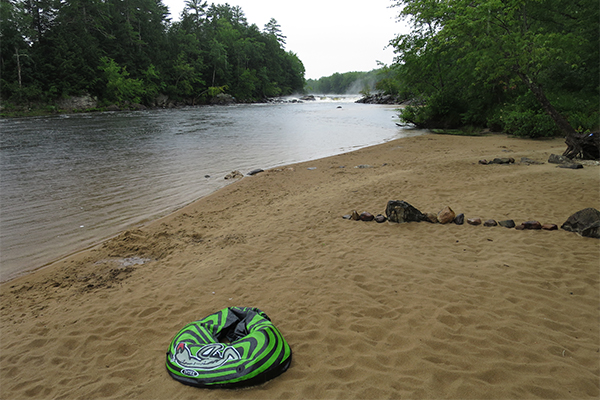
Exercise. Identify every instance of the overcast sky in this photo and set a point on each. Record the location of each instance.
(327, 35)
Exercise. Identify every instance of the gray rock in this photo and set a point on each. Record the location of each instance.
(460, 219)
(256, 171)
(509, 223)
(490, 222)
(509, 160)
(529, 161)
(570, 166)
(234, 175)
(380, 218)
(556, 159)
(585, 222)
(400, 211)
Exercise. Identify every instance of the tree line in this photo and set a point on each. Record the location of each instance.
(526, 67)
(129, 51)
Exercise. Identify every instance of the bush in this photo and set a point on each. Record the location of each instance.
(528, 123)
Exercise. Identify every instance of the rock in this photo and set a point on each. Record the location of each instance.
(570, 166)
(592, 231)
(532, 225)
(483, 162)
(113, 107)
(363, 166)
(222, 99)
(380, 218)
(509, 160)
(460, 219)
(365, 216)
(71, 103)
(556, 159)
(309, 97)
(255, 171)
(234, 175)
(520, 227)
(446, 215)
(355, 216)
(586, 222)
(550, 227)
(207, 176)
(529, 161)
(490, 222)
(509, 223)
(474, 221)
(347, 216)
(431, 217)
(401, 211)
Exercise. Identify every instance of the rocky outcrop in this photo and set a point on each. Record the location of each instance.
(84, 102)
(585, 222)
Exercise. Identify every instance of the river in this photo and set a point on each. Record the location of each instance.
(69, 181)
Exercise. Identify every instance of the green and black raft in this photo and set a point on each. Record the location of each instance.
(235, 347)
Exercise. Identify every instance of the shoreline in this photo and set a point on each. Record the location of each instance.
(370, 310)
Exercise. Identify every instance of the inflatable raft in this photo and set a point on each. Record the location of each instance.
(235, 347)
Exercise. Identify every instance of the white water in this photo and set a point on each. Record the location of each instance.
(69, 181)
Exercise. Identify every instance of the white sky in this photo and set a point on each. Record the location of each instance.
(327, 35)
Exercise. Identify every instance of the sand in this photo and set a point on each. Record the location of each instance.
(371, 311)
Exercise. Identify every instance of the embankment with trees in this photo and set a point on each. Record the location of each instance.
(130, 52)
(528, 68)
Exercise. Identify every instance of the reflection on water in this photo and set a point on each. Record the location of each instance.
(69, 181)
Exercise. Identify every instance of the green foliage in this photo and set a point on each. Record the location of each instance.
(466, 60)
(52, 49)
(119, 87)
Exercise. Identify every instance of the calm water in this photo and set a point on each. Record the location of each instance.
(69, 181)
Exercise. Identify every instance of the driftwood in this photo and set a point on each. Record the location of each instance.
(583, 145)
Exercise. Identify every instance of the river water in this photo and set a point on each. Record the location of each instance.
(69, 181)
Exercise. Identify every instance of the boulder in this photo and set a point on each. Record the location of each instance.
(446, 215)
(355, 216)
(460, 219)
(585, 222)
(474, 221)
(400, 211)
(490, 222)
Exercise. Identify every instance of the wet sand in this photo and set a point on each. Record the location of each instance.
(371, 311)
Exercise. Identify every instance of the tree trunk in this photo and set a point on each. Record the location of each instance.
(578, 145)
(538, 92)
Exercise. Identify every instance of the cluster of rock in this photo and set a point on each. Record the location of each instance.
(380, 98)
(562, 161)
(585, 222)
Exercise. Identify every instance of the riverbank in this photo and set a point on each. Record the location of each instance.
(370, 310)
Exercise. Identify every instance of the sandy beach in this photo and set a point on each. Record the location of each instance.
(371, 311)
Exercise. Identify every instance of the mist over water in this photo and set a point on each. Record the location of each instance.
(69, 181)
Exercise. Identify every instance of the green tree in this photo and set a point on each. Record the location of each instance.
(465, 58)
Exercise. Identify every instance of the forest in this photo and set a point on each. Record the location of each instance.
(130, 52)
(525, 67)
